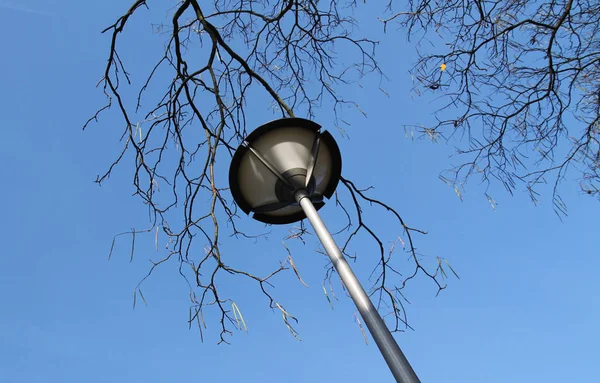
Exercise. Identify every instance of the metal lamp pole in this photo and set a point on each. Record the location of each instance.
(281, 173)
(401, 369)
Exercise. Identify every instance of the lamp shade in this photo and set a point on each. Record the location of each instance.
(277, 160)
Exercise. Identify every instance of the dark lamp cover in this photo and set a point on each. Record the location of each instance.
(275, 161)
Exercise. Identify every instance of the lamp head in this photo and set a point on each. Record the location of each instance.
(279, 159)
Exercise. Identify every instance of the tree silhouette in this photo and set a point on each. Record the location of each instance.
(520, 87)
(216, 58)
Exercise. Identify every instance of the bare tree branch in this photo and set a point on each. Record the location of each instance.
(218, 56)
(519, 81)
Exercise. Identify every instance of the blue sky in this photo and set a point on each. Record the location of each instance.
(525, 309)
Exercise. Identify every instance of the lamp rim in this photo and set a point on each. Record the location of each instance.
(282, 123)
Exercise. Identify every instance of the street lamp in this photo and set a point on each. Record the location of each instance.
(282, 172)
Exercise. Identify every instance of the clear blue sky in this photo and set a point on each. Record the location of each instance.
(525, 309)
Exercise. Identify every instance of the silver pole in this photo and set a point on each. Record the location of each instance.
(390, 350)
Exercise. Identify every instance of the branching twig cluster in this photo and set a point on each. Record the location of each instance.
(218, 56)
(520, 81)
